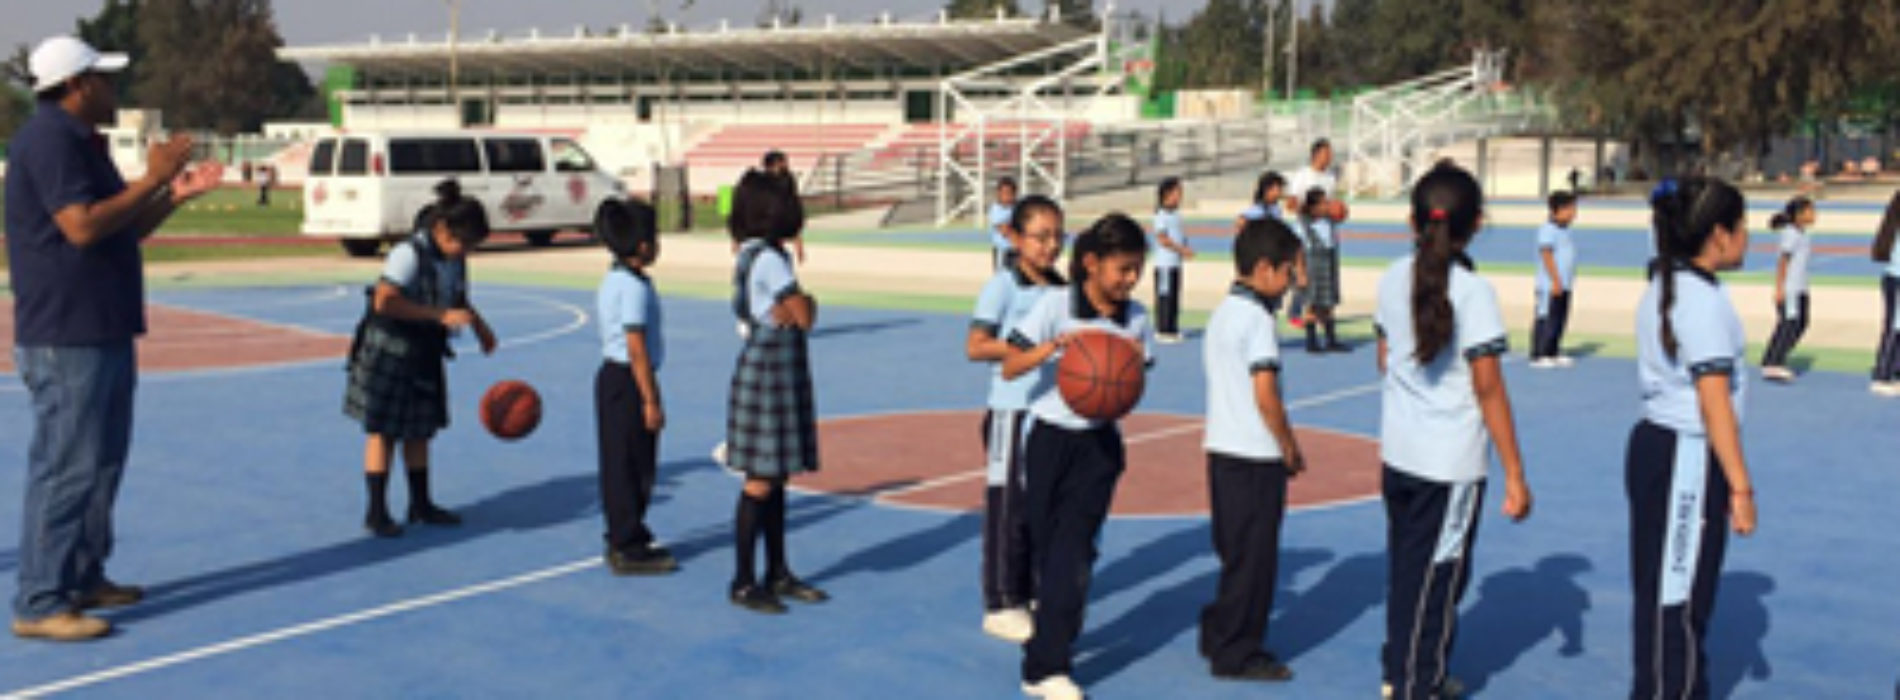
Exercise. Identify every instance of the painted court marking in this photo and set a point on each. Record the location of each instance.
(302, 630)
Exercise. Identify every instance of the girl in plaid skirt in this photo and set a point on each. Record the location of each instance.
(1322, 271)
(771, 426)
(397, 388)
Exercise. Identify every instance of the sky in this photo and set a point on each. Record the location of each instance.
(304, 22)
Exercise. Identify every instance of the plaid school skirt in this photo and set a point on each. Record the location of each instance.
(397, 385)
(771, 425)
(1322, 277)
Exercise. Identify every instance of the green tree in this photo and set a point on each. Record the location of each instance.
(115, 29)
(229, 80)
(1222, 46)
(1080, 13)
(981, 9)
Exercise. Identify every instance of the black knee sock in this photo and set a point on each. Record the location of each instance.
(1312, 336)
(419, 500)
(378, 489)
(745, 528)
(775, 564)
(1332, 337)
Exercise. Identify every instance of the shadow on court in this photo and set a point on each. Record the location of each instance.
(1152, 559)
(532, 507)
(1312, 617)
(1516, 610)
(9, 559)
(1168, 613)
(1737, 631)
(906, 551)
(801, 511)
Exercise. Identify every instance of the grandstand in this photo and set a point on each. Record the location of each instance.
(974, 98)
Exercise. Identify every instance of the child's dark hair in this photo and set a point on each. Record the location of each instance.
(1446, 206)
(1269, 181)
(1791, 212)
(1266, 239)
(1561, 200)
(772, 159)
(626, 226)
(1168, 184)
(1686, 214)
(463, 215)
(765, 206)
(1007, 181)
(1319, 145)
(1310, 202)
(1113, 234)
(1889, 230)
(1028, 208)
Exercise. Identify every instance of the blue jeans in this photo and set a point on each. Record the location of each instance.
(82, 430)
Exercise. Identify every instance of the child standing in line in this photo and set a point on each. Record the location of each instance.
(398, 386)
(1267, 193)
(1887, 357)
(1002, 211)
(1441, 337)
(771, 422)
(1791, 287)
(1008, 581)
(1171, 248)
(1251, 453)
(1322, 273)
(627, 409)
(1556, 277)
(1072, 463)
(1685, 475)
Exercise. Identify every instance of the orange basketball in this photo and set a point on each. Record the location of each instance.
(1339, 212)
(511, 409)
(1101, 375)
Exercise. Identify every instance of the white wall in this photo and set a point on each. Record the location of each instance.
(401, 117)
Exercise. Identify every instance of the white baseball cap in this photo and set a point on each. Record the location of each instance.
(58, 59)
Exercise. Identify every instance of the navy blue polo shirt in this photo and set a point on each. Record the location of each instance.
(63, 295)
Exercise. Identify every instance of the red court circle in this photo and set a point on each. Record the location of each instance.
(934, 460)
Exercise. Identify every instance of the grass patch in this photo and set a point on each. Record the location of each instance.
(234, 212)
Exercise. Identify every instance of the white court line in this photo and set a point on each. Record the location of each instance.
(306, 629)
(1151, 435)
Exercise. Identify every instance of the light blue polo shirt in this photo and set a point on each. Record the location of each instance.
(770, 281)
(1069, 311)
(1240, 343)
(1430, 425)
(628, 303)
(1000, 216)
(1258, 211)
(1799, 247)
(1709, 340)
(1005, 300)
(1319, 234)
(1558, 241)
(403, 267)
(1167, 224)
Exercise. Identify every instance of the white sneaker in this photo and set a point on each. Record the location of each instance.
(1777, 374)
(1013, 625)
(1452, 688)
(1544, 363)
(1565, 361)
(1168, 339)
(1889, 390)
(1054, 688)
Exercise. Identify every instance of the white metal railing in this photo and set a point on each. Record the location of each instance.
(1395, 129)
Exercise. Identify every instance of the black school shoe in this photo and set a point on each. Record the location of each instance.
(1339, 348)
(434, 515)
(382, 526)
(1259, 667)
(649, 561)
(791, 587)
(758, 600)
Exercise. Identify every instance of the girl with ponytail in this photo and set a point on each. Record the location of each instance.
(1791, 287)
(1684, 473)
(1441, 339)
(397, 388)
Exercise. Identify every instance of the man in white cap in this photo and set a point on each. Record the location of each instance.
(73, 231)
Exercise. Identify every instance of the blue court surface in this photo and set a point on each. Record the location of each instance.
(242, 507)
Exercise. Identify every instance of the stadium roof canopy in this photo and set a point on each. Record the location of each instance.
(882, 47)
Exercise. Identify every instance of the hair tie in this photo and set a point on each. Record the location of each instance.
(1437, 215)
(1666, 188)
